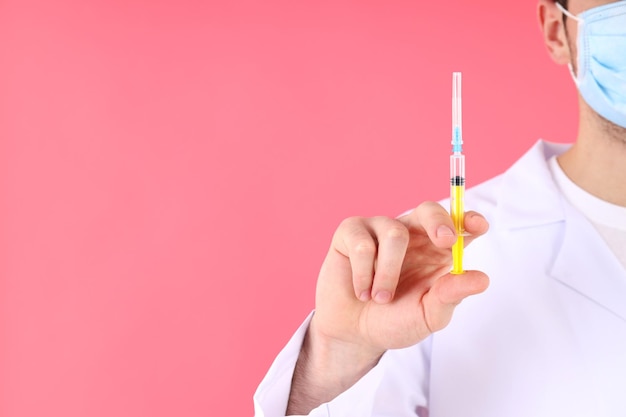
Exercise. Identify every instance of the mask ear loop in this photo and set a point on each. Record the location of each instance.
(567, 12)
(571, 16)
(573, 75)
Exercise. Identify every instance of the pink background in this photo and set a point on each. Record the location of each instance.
(172, 172)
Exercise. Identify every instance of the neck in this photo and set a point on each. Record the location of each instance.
(597, 161)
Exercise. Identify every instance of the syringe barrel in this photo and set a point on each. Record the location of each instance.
(457, 169)
(457, 197)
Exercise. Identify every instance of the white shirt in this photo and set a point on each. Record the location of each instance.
(548, 338)
(608, 219)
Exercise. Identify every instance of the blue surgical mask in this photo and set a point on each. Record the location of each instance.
(601, 77)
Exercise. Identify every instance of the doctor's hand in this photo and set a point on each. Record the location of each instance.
(385, 284)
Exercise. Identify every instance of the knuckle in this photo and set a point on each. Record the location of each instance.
(380, 218)
(364, 247)
(345, 226)
(350, 223)
(398, 232)
(427, 205)
(356, 219)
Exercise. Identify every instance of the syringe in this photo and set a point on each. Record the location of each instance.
(457, 176)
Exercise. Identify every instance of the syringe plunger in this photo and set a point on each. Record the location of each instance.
(457, 119)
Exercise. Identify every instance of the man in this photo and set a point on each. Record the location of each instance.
(548, 338)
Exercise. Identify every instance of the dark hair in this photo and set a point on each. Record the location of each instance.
(564, 4)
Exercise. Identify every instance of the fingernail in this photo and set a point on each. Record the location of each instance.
(444, 231)
(365, 295)
(382, 297)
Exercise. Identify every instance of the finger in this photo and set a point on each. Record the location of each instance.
(393, 240)
(447, 292)
(435, 221)
(355, 241)
(475, 226)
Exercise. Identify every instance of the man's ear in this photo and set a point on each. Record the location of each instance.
(554, 32)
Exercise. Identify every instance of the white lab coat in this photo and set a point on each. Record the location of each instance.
(548, 338)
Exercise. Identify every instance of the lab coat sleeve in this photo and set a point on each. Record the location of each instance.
(396, 386)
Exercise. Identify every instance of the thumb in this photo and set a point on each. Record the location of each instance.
(447, 292)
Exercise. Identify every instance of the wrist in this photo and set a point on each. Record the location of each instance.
(325, 368)
(337, 363)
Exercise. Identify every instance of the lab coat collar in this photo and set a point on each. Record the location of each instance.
(587, 265)
(529, 198)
